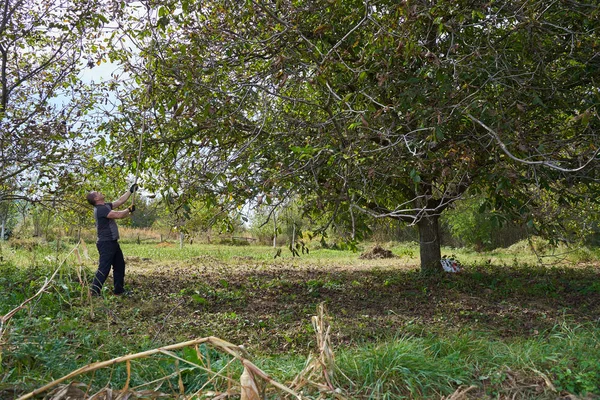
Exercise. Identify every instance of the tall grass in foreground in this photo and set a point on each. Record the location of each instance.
(563, 359)
(427, 367)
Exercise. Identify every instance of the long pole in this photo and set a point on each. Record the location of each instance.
(144, 121)
(139, 158)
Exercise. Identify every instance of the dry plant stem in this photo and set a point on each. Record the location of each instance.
(460, 393)
(215, 374)
(126, 388)
(326, 357)
(11, 313)
(222, 344)
(102, 364)
(254, 369)
(323, 366)
(89, 386)
(209, 371)
(546, 379)
(180, 381)
(164, 378)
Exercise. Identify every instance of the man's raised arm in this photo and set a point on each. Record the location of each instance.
(118, 203)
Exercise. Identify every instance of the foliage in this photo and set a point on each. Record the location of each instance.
(43, 102)
(391, 110)
(147, 212)
(283, 222)
(471, 223)
(569, 215)
(8, 216)
(427, 365)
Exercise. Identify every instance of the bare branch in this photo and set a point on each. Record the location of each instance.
(546, 163)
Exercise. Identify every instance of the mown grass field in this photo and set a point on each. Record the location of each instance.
(505, 327)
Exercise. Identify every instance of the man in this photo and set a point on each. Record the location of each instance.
(108, 239)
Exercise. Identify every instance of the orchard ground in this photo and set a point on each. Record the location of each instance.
(266, 304)
(245, 296)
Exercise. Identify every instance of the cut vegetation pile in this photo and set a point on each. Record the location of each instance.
(377, 252)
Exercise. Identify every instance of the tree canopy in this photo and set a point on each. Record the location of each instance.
(44, 46)
(383, 109)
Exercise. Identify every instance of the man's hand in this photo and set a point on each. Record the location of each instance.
(133, 188)
(131, 208)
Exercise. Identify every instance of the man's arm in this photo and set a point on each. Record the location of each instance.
(119, 214)
(122, 199)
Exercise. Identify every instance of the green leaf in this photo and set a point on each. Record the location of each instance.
(585, 119)
(477, 15)
(537, 101)
(190, 354)
(414, 175)
(102, 18)
(163, 22)
(439, 134)
(199, 299)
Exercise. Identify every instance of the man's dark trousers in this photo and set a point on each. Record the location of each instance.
(110, 254)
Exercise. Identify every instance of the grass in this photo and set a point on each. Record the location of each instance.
(509, 328)
(433, 365)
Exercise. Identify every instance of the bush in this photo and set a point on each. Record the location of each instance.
(472, 225)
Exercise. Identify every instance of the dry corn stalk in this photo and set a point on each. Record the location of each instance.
(326, 357)
(74, 391)
(318, 371)
(249, 389)
(71, 391)
(460, 393)
(84, 249)
(221, 344)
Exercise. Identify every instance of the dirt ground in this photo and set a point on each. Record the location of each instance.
(267, 305)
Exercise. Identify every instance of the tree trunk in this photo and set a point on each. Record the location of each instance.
(429, 245)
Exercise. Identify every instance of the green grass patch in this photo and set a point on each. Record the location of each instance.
(433, 365)
(507, 329)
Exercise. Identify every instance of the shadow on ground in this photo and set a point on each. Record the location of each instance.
(269, 306)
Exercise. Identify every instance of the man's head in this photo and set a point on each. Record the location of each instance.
(94, 198)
